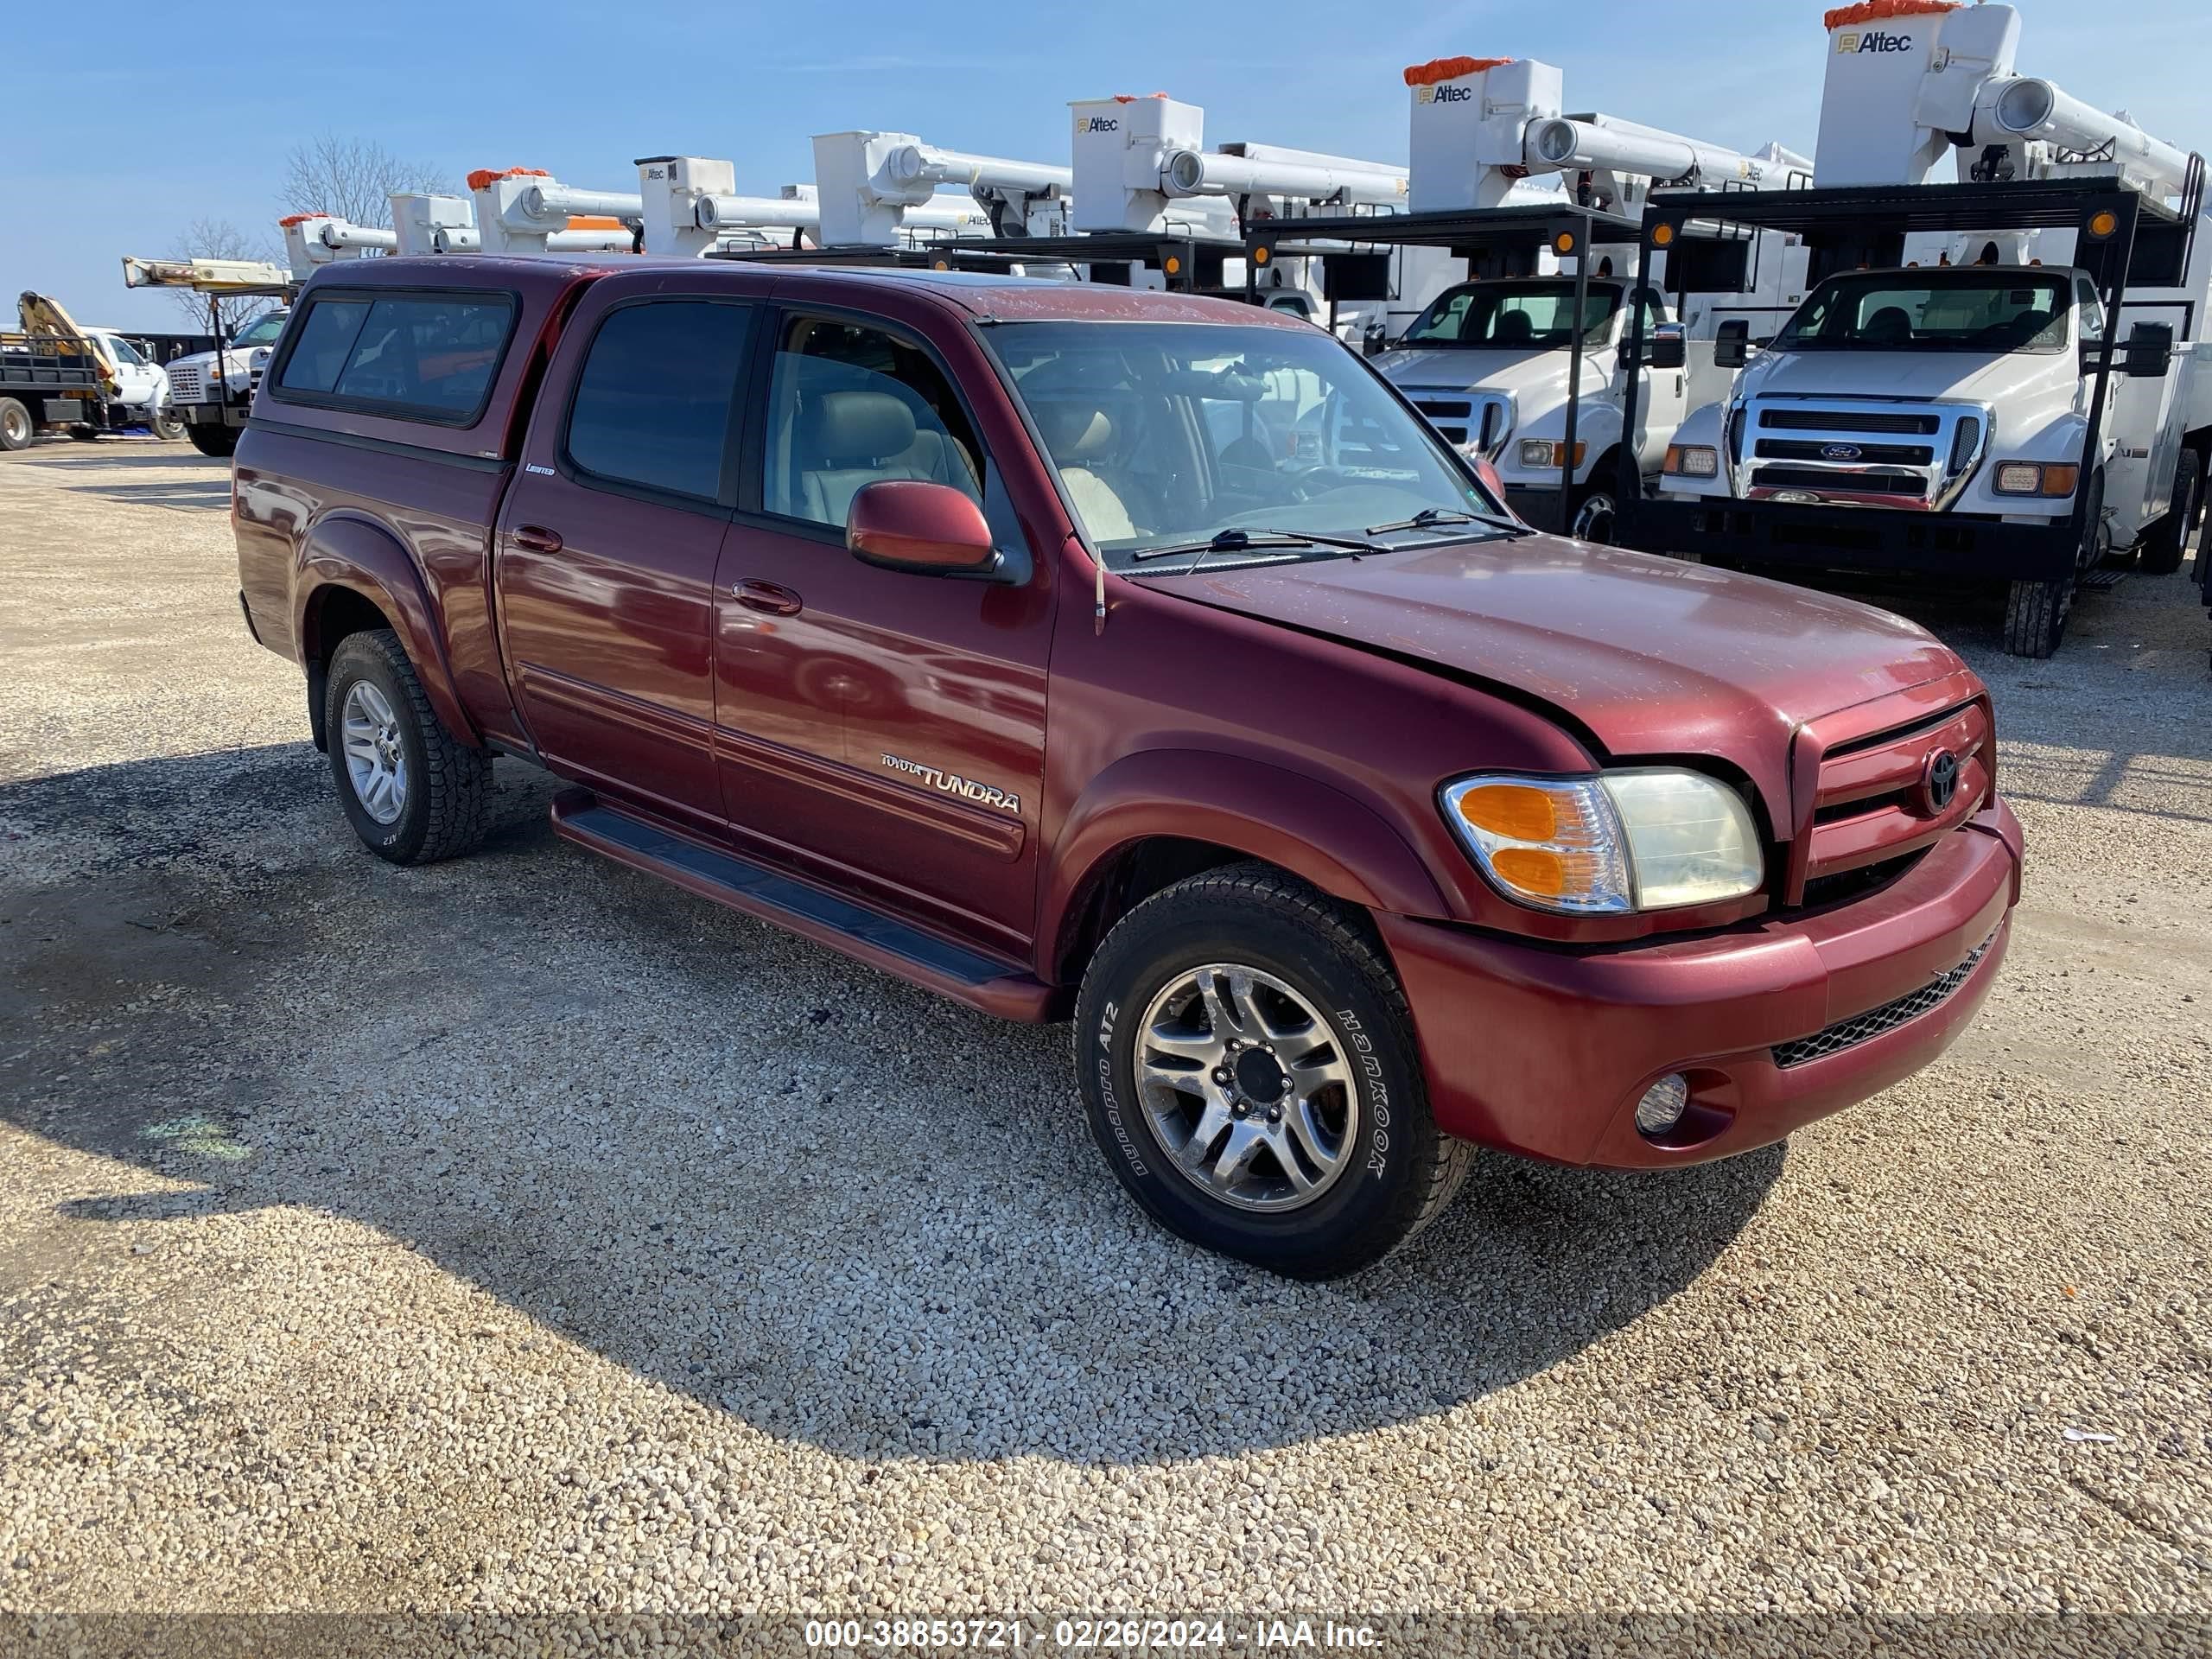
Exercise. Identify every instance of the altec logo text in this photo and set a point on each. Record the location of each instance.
(1443, 95)
(1095, 124)
(1871, 40)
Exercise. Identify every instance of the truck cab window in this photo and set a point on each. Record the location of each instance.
(652, 403)
(850, 405)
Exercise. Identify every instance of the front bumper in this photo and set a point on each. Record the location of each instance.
(211, 414)
(1828, 537)
(1545, 1050)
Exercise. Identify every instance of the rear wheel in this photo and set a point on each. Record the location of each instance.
(2169, 538)
(413, 794)
(17, 428)
(1250, 1068)
(212, 437)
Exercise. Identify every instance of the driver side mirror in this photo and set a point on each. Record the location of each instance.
(2149, 345)
(1732, 344)
(931, 530)
(1667, 347)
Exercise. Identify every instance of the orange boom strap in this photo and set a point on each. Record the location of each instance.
(1436, 69)
(484, 176)
(1878, 12)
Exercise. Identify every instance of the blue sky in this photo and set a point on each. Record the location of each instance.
(174, 113)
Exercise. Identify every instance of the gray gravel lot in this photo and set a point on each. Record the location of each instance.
(522, 1236)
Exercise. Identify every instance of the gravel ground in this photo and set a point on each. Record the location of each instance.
(521, 1236)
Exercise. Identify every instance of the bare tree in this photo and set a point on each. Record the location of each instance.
(217, 238)
(353, 178)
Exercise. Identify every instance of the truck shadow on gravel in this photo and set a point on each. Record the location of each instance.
(843, 1210)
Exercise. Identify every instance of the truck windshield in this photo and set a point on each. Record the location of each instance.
(1165, 434)
(262, 331)
(1973, 309)
(1515, 316)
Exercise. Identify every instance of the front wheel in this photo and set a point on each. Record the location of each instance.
(167, 425)
(2035, 612)
(1594, 516)
(1250, 1068)
(212, 437)
(413, 794)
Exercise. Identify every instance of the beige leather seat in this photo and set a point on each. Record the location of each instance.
(847, 441)
(1081, 436)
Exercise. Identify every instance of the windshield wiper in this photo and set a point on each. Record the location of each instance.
(1447, 517)
(1238, 541)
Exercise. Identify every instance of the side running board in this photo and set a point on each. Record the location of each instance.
(995, 986)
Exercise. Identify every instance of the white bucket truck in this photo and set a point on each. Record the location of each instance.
(1153, 207)
(1524, 364)
(210, 393)
(1954, 399)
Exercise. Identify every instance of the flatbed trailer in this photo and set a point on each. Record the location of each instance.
(49, 382)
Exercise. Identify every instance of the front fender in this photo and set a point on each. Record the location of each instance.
(1340, 844)
(361, 556)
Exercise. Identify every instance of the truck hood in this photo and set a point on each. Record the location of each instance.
(1537, 379)
(1933, 375)
(1650, 655)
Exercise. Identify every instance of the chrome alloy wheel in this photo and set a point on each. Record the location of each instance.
(376, 760)
(1594, 519)
(1247, 1088)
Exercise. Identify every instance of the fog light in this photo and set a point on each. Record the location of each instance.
(1663, 1105)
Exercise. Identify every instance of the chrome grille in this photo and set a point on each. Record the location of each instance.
(1876, 1022)
(1827, 457)
(185, 385)
(1481, 418)
(1861, 420)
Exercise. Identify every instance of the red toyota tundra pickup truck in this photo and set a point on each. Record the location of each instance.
(1074, 651)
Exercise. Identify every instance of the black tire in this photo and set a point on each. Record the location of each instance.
(1595, 503)
(17, 427)
(1398, 1171)
(2164, 547)
(2035, 612)
(85, 434)
(212, 438)
(167, 425)
(447, 802)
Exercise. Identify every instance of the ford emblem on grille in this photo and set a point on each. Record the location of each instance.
(1841, 452)
(1939, 782)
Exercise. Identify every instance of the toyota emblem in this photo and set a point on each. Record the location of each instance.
(1841, 452)
(1939, 782)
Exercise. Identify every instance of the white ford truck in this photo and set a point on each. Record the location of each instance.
(1964, 396)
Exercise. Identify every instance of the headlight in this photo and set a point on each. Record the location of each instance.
(1692, 460)
(1646, 839)
(2034, 478)
(1539, 453)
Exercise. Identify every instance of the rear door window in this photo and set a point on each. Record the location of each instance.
(652, 403)
(426, 357)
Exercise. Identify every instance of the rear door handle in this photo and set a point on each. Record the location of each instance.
(535, 538)
(767, 596)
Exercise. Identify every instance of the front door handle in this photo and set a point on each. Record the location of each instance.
(767, 596)
(536, 538)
